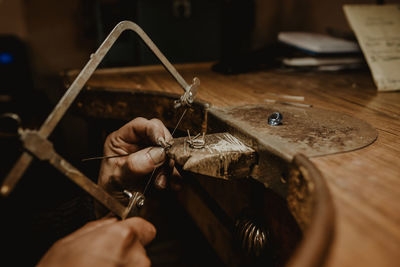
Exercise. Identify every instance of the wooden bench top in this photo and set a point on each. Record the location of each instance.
(365, 184)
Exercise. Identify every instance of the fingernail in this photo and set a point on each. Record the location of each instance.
(161, 142)
(169, 139)
(157, 154)
(161, 181)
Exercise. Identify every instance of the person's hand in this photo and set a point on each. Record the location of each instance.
(141, 138)
(103, 243)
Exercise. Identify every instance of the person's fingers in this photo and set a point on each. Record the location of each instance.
(167, 135)
(119, 237)
(115, 145)
(161, 180)
(175, 180)
(168, 175)
(135, 255)
(90, 226)
(142, 229)
(104, 243)
(157, 125)
(137, 131)
(144, 161)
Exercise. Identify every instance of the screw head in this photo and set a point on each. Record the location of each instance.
(275, 119)
(140, 202)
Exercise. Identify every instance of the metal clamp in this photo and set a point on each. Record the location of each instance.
(136, 202)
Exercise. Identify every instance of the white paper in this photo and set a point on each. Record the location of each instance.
(377, 28)
(318, 43)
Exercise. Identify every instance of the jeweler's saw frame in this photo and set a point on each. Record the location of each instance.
(36, 143)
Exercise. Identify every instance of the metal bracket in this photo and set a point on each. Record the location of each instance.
(136, 202)
(188, 97)
(36, 141)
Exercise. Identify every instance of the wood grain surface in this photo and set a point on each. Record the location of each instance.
(365, 184)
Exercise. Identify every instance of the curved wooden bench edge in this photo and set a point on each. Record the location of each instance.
(317, 239)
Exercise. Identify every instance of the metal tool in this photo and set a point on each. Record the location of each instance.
(36, 143)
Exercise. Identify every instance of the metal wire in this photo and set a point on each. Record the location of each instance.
(154, 170)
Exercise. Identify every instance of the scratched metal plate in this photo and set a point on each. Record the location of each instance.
(308, 130)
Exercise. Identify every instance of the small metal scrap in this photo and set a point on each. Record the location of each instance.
(196, 142)
(275, 119)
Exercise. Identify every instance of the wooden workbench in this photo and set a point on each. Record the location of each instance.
(365, 184)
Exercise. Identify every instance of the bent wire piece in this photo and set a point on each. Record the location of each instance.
(65, 102)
